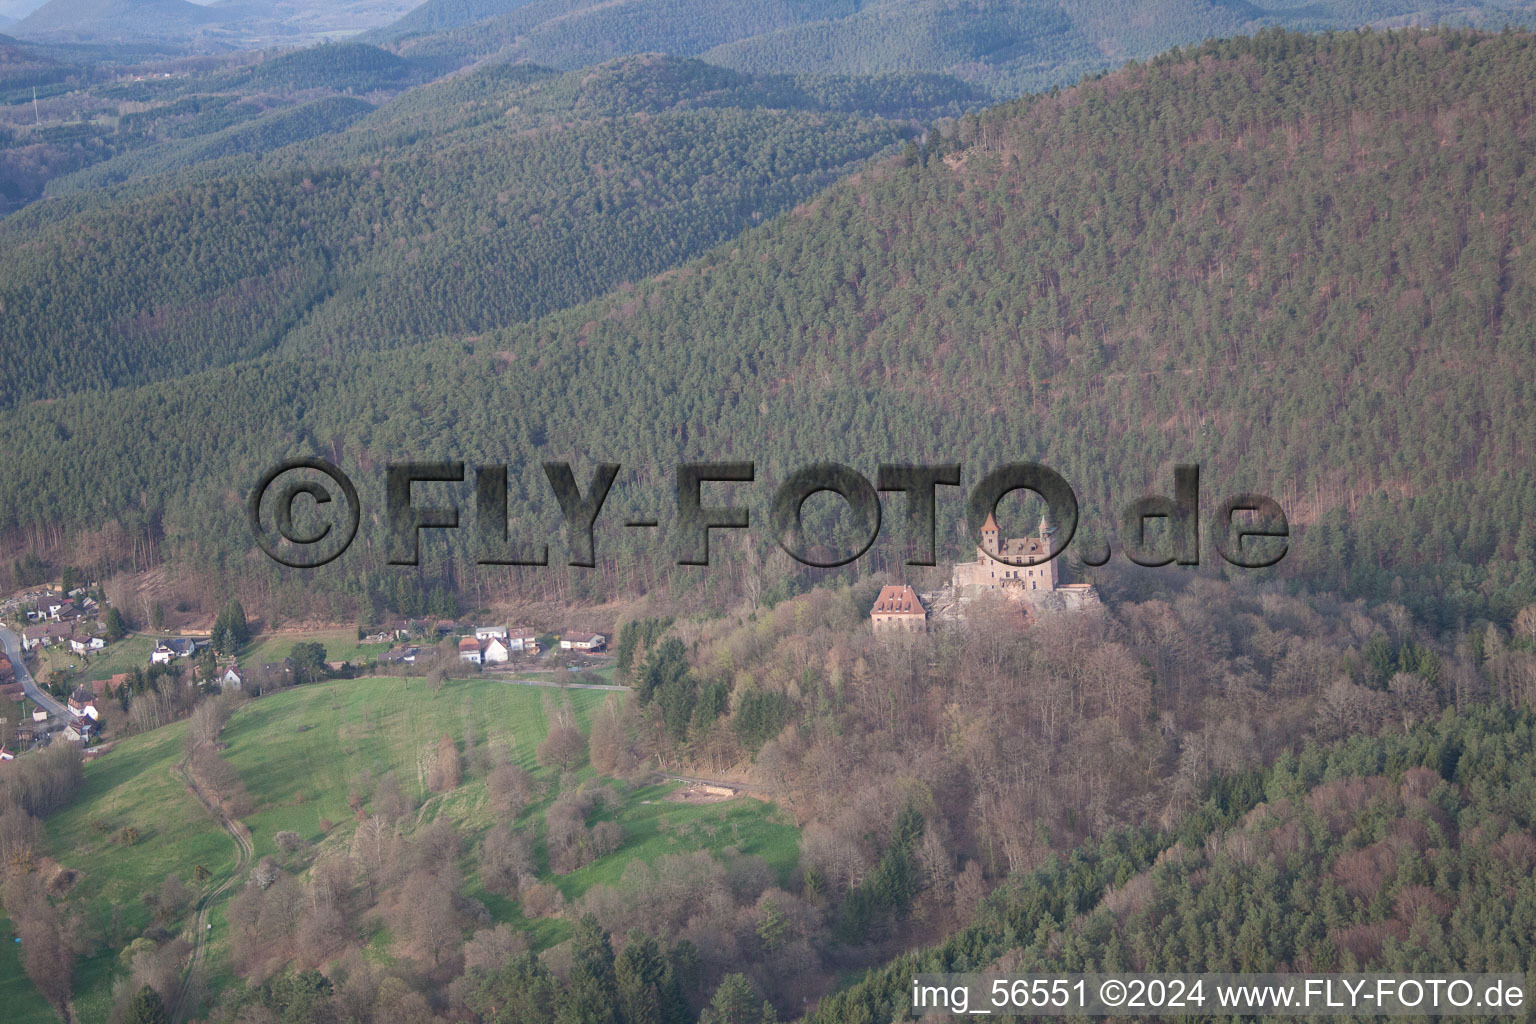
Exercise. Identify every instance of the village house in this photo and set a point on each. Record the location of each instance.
(233, 678)
(469, 650)
(45, 635)
(898, 608)
(82, 701)
(406, 628)
(104, 688)
(173, 647)
(86, 643)
(522, 641)
(399, 656)
(7, 670)
(495, 651)
(490, 632)
(583, 643)
(81, 730)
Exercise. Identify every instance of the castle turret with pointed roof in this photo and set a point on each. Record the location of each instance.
(1018, 563)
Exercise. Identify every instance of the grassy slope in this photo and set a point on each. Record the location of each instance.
(131, 786)
(22, 1003)
(340, 645)
(297, 752)
(296, 778)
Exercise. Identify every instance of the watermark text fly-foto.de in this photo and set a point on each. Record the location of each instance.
(1250, 530)
(1218, 995)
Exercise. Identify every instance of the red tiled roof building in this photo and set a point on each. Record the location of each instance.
(898, 608)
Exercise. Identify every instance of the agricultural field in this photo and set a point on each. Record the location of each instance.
(339, 644)
(298, 753)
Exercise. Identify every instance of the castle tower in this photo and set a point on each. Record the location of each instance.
(989, 536)
(1050, 571)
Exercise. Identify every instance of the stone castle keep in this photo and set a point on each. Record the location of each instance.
(1018, 563)
(1014, 569)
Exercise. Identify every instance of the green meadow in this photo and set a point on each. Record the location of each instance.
(133, 787)
(22, 1003)
(298, 753)
(122, 656)
(339, 644)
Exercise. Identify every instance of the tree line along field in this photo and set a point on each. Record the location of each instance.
(298, 755)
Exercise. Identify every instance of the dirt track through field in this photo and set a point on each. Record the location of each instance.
(244, 851)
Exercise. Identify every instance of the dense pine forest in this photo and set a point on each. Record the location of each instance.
(1245, 255)
(366, 244)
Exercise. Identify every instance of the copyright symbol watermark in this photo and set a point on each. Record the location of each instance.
(324, 527)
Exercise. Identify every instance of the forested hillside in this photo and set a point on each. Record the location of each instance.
(547, 193)
(1007, 48)
(1399, 853)
(78, 118)
(1294, 260)
(458, 843)
(341, 66)
(262, 133)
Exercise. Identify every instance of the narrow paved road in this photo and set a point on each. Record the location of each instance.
(12, 644)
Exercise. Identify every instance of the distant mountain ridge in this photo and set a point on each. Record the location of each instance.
(1007, 47)
(120, 19)
(178, 26)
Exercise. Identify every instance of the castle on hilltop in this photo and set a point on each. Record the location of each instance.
(1017, 563)
(1019, 570)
